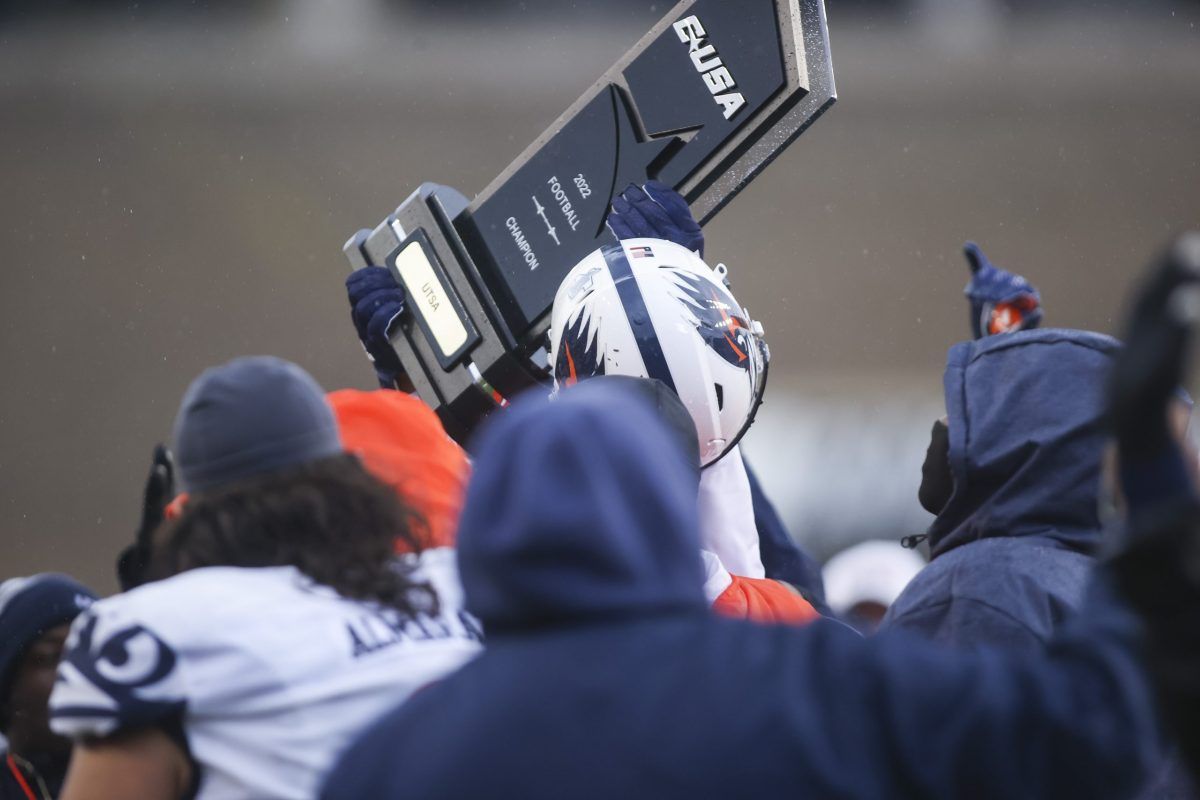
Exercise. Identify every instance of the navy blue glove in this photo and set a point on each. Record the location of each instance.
(376, 302)
(1150, 369)
(159, 492)
(655, 211)
(1001, 302)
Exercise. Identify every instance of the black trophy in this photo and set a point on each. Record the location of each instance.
(706, 100)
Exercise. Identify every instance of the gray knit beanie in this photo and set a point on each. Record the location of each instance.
(251, 416)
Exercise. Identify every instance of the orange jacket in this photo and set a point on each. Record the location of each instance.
(764, 600)
(402, 443)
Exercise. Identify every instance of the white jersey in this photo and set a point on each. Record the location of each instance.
(268, 676)
(727, 526)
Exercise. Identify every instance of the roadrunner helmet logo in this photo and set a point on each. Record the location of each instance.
(579, 355)
(721, 324)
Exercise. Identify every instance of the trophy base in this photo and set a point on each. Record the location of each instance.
(457, 356)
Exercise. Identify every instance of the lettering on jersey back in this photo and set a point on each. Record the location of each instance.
(372, 632)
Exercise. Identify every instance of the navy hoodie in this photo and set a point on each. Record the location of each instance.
(1012, 550)
(605, 676)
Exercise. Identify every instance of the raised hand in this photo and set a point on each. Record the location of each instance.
(655, 211)
(159, 491)
(1001, 301)
(1157, 566)
(1148, 374)
(376, 302)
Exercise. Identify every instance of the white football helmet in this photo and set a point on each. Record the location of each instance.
(650, 308)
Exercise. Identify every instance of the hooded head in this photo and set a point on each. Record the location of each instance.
(580, 508)
(31, 609)
(31, 606)
(403, 444)
(1025, 417)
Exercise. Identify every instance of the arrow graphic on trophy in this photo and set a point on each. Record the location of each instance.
(541, 212)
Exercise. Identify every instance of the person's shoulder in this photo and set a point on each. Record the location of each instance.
(216, 582)
(9, 788)
(939, 572)
(966, 573)
(117, 671)
(990, 557)
(976, 569)
(202, 596)
(141, 658)
(993, 591)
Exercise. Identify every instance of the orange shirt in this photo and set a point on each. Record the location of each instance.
(764, 600)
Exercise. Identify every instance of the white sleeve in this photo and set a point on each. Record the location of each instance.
(716, 578)
(116, 674)
(727, 516)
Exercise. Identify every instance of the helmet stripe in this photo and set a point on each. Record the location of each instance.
(638, 315)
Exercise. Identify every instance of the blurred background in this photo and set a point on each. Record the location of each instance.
(177, 179)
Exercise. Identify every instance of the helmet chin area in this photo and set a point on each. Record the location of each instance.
(760, 390)
(719, 447)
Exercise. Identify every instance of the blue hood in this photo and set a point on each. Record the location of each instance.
(582, 507)
(1027, 437)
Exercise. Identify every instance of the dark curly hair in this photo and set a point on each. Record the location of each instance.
(328, 518)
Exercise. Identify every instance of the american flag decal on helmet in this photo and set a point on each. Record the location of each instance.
(641, 252)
